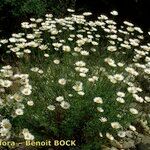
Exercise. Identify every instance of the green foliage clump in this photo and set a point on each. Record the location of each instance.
(83, 81)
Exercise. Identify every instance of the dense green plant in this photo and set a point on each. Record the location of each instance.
(85, 78)
(36, 7)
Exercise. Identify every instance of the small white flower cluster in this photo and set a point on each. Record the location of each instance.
(80, 67)
(14, 88)
(66, 48)
(9, 79)
(98, 100)
(62, 81)
(5, 128)
(78, 87)
(93, 79)
(64, 104)
(120, 97)
(110, 62)
(115, 78)
(36, 69)
(27, 135)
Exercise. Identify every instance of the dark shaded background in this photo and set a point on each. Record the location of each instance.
(136, 11)
(13, 12)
